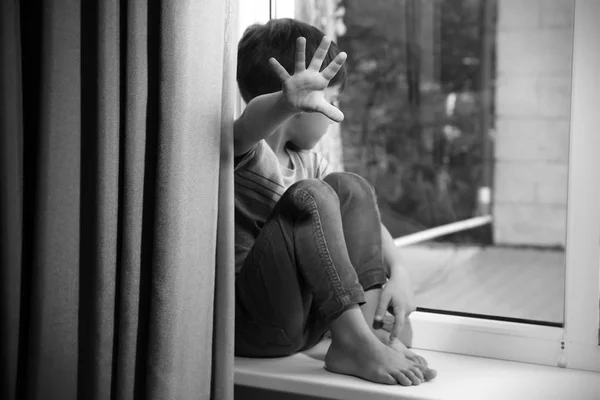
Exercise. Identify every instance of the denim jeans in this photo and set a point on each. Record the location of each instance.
(313, 259)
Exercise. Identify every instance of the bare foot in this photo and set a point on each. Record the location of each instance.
(401, 348)
(398, 346)
(365, 356)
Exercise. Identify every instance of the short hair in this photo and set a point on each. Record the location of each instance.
(277, 38)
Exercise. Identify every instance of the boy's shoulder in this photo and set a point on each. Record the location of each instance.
(261, 159)
(259, 154)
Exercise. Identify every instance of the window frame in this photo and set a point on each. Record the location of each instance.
(576, 345)
(579, 336)
(582, 290)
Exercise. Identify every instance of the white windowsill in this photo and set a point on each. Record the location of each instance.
(459, 377)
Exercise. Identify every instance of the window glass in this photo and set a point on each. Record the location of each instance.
(457, 111)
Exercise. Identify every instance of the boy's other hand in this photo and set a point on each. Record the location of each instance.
(397, 296)
(304, 90)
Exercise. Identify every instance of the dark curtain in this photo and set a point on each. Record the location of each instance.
(116, 203)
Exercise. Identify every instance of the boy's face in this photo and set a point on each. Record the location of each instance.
(306, 129)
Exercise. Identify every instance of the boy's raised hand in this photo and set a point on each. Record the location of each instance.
(304, 90)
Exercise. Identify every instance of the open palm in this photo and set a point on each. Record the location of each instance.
(304, 90)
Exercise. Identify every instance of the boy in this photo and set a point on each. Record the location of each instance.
(311, 253)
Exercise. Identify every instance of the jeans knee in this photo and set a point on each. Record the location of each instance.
(350, 185)
(319, 191)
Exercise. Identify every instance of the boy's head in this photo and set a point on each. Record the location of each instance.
(277, 38)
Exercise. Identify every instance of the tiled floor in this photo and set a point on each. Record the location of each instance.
(510, 282)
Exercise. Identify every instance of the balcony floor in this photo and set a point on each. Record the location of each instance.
(522, 283)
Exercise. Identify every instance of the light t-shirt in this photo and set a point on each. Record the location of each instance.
(260, 181)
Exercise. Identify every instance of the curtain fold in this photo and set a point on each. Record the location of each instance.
(11, 196)
(99, 203)
(117, 199)
(223, 332)
(132, 281)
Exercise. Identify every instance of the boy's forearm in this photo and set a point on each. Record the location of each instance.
(391, 256)
(261, 117)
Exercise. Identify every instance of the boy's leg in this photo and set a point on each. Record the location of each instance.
(361, 225)
(272, 298)
(362, 232)
(297, 277)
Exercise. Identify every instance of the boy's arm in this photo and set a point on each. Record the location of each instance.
(397, 295)
(302, 92)
(261, 117)
(391, 256)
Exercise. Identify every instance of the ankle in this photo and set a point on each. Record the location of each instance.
(350, 327)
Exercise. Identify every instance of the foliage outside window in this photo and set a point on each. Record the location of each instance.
(418, 107)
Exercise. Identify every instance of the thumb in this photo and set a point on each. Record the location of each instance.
(330, 111)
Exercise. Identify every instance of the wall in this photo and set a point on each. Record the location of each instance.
(534, 46)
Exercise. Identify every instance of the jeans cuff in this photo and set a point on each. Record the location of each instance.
(337, 306)
(370, 279)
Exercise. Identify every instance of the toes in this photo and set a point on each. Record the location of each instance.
(415, 358)
(401, 378)
(430, 374)
(413, 377)
(386, 379)
(418, 373)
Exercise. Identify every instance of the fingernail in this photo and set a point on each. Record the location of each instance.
(378, 318)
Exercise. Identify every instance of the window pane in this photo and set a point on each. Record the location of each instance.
(457, 109)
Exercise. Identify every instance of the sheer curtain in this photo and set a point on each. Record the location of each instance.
(116, 199)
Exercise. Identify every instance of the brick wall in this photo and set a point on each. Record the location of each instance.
(534, 46)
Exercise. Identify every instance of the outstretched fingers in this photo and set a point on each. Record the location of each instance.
(278, 69)
(334, 66)
(300, 61)
(330, 111)
(320, 54)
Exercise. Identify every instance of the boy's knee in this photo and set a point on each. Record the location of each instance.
(350, 185)
(310, 185)
(318, 190)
